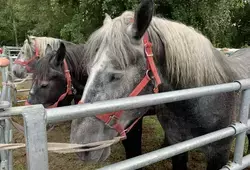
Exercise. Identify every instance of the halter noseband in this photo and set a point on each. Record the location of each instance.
(69, 86)
(27, 62)
(112, 119)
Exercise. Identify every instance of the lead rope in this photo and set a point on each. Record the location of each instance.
(66, 147)
(62, 147)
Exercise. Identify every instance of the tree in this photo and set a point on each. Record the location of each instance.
(241, 25)
(222, 21)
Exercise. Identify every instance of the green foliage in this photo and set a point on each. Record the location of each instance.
(211, 17)
(225, 23)
(241, 22)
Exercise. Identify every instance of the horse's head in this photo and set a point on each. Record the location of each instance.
(117, 64)
(49, 81)
(26, 58)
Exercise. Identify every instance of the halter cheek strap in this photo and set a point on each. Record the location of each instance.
(27, 62)
(112, 119)
(69, 86)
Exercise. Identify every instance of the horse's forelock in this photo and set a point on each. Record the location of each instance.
(41, 71)
(114, 36)
(43, 42)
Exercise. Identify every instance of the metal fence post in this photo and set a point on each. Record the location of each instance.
(36, 138)
(240, 138)
(3, 153)
(8, 125)
(5, 127)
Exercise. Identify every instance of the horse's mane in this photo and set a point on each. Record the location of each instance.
(191, 60)
(74, 55)
(42, 43)
(114, 33)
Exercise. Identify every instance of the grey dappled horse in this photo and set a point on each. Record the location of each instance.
(33, 49)
(49, 83)
(184, 59)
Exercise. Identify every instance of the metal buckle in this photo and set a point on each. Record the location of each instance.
(74, 91)
(147, 54)
(152, 79)
(112, 121)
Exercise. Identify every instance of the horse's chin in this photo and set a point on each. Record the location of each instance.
(95, 156)
(19, 71)
(20, 75)
(46, 105)
(33, 101)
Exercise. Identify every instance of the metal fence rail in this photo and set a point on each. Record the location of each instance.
(91, 109)
(173, 150)
(38, 146)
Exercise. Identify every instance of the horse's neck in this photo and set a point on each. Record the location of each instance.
(159, 58)
(79, 78)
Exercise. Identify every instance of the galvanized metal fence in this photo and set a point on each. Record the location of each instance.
(11, 53)
(36, 117)
(6, 100)
(5, 125)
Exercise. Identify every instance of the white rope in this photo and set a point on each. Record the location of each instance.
(23, 80)
(66, 147)
(62, 147)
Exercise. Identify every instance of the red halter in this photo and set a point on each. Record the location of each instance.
(27, 62)
(111, 119)
(69, 86)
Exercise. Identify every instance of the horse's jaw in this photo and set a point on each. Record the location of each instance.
(91, 130)
(95, 156)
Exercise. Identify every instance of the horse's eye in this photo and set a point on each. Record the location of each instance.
(44, 84)
(115, 77)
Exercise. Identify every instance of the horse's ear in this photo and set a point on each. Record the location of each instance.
(107, 19)
(60, 54)
(142, 18)
(48, 49)
(28, 38)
